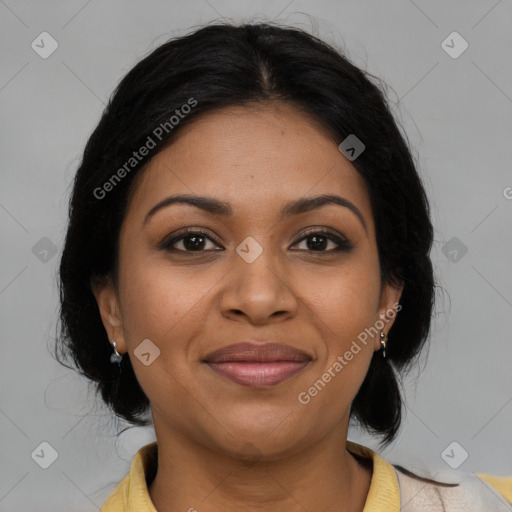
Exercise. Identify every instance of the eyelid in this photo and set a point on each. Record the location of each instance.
(343, 243)
(168, 241)
(338, 238)
(324, 231)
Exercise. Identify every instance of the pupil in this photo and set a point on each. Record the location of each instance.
(197, 242)
(316, 244)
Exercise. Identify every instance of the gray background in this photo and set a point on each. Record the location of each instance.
(457, 114)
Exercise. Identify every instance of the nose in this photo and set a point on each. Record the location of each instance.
(258, 292)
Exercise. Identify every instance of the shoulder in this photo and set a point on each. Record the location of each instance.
(472, 492)
(117, 500)
(503, 484)
(131, 494)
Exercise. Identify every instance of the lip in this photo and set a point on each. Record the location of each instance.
(257, 365)
(248, 351)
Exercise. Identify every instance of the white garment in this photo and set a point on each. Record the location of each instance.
(471, 495)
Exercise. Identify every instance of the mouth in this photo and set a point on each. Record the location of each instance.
(257, 366)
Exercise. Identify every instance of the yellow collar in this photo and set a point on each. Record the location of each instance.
(384, 493)
(132, 495)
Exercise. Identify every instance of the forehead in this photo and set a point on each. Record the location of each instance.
(254, 158)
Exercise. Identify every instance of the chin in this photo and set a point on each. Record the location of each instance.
(263, 439)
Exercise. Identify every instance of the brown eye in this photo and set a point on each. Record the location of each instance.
(318, 241)
(191, 241)
(196, 240)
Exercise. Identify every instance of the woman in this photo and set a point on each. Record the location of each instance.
(248, 259)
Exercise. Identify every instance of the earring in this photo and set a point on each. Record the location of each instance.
(116, 357)
(383, 339)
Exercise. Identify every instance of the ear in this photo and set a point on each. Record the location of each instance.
(388, 309)
(108, 303)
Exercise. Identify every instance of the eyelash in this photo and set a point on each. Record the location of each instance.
(344, 245)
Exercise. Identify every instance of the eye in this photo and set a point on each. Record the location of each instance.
(196, 240)
(193, 240)
(318, 240)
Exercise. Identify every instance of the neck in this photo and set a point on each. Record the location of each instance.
(322, 477)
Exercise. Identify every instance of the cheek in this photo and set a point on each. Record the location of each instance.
(344, 306)
(347, 300)
(162, 303)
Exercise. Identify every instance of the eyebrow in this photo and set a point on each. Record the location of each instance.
(217, 207)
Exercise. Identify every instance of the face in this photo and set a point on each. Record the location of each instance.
(249, 270)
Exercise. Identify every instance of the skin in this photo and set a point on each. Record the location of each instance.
(191, 303)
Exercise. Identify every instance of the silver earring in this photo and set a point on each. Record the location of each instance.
(383, 339)
(116, 357)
